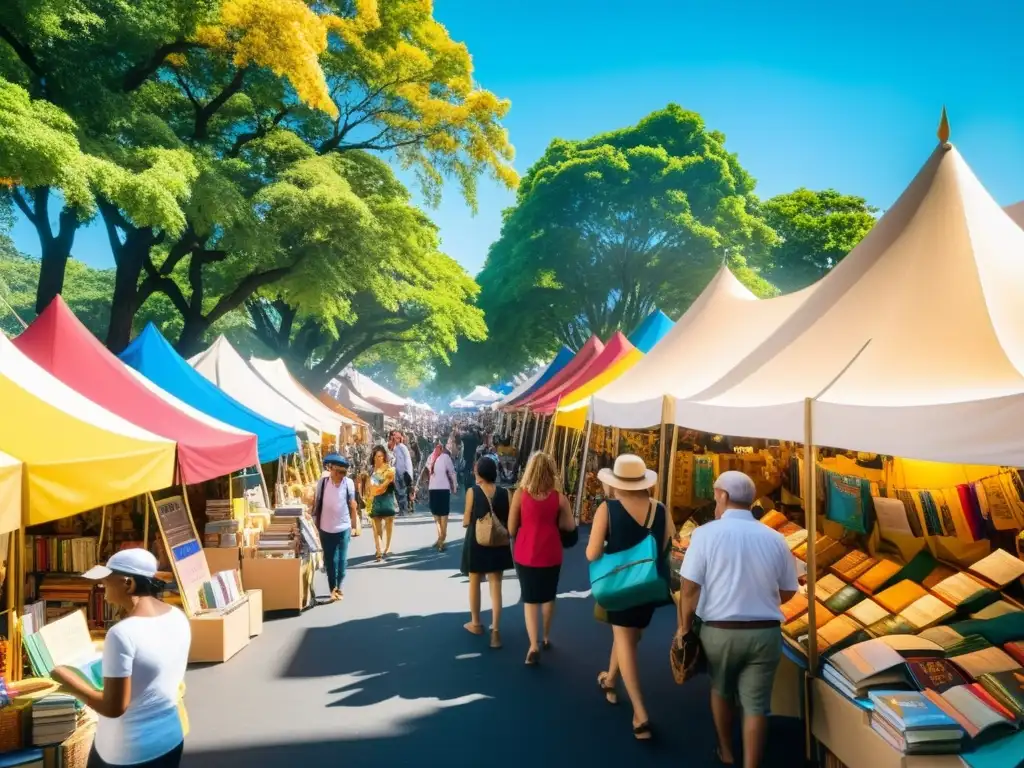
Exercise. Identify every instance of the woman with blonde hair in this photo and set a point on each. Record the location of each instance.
(620, 524)
(538, 513)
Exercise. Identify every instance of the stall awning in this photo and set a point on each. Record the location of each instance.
(720, 328)
(384, 399)
(618, 346)
(152, 355)
(61, 345)
(10, 493)
(651, 331)
(911, 346)
(77, 455)
(340, 409)
(539, 379)
(276, 374)
(222, 365)
(591, 349)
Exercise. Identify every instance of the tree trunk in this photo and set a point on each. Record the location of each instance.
(51, 273)
(126, 300)
(190, 342)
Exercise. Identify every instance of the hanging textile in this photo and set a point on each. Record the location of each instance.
(703, 477)
(849, 502)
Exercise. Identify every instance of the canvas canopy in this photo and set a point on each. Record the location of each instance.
(10, 493)
(61, 345)
(538, 379)
(385, 400)
(340, 409)
(76, 454)
(276, 374)
(222, 365)
(723, 325)
(911, 346)
(591, 349)
(152, 355)
(618, 346)
(651, 331)
(573, 407)
(481, 396)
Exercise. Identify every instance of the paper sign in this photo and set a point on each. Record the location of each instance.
(174, 521)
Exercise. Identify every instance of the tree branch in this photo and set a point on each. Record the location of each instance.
(246, 288)
(25, 54)
(206, 113)
(22, 203)
(141, 72)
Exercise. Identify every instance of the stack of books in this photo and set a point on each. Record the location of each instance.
(54, 719)
(222, 590)
(912, 723)
(856, 670)
(289, 510)
(222, 533)
(279, 539)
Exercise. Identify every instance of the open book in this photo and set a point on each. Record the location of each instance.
(65, 643)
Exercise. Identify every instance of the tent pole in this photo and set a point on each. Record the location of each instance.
(661, 449)
(565, 449)
(583, 472)
(15, 597)
(263, 482)
(811, 520)
(145, 521)
(671, 480)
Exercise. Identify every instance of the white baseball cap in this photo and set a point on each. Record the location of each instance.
(133, 562)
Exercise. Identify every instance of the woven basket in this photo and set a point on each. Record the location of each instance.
(74, 753)
(12, 726)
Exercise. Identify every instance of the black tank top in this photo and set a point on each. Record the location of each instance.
(625, 532)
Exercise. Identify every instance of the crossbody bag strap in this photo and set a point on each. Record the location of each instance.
(652, 511)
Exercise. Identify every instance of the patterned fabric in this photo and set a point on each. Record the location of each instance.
(912, 517)
(703, 477)
(849, 502)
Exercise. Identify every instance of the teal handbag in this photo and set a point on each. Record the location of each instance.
(629, 578)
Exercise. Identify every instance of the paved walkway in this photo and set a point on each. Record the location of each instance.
(388, 677)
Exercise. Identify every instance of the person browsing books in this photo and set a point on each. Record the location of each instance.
(735, 576)
(144, 660)
(335, 513)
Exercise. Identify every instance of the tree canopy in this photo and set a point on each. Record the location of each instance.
(816, 230)
(219, 153)
(607, 229)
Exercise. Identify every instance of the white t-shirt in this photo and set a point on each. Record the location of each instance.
(153, 652)
(741, 565)
(442, 473)
(335, 515)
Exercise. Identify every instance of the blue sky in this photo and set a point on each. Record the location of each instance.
(843, 95)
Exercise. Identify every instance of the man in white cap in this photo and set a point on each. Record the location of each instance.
(735, 576)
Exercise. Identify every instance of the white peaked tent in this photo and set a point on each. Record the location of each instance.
(912, 346)
(276, 374)
(719, 329)
(222, 365)
(481, 396)
(522, 387)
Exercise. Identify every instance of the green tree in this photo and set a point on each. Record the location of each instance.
(88, 290)
(387, 288)
(816, 230)
(607, 229)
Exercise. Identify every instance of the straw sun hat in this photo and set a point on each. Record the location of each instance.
(629, 474)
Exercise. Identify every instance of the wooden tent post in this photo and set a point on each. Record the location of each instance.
(811, 514)
(671, 483)
(145, 519)
(562, 468)
(263, 482)
(16, 567)
(583, 472)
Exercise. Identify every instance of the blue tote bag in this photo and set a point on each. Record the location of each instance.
(629, 578)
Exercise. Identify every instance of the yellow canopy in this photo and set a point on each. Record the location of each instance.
(10, 493)
(77, 455)
(573, 407)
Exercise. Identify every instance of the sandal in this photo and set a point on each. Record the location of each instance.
(642, 732)
(533, 658)
(495, 639)
(473, 629)
(546, 645)
(379, 557)
(721, 760)
(610, 694)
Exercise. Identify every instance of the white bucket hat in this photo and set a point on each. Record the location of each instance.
(629, 474)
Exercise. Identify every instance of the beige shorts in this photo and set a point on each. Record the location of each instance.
(742, 663)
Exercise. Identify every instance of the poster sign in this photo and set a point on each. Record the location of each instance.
(183, 550)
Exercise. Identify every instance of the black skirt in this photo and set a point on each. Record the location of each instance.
(538, 585)
(440, 503)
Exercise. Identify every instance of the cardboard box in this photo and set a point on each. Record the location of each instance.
(281, 580)
(788, 690)
(217, 637)
(255, 611)
(845, 730)
(223, 558)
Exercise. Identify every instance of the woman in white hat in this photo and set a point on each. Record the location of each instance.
(144, 660)
(619, 524)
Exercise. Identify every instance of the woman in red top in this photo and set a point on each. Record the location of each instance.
(538, 511)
